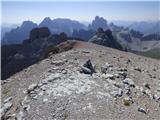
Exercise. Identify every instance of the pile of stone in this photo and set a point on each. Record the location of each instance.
(87, 68)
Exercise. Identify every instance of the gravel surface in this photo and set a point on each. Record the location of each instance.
(123, 86)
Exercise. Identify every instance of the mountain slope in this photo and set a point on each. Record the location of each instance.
(146, 27)
(153, 53)
(125, 86)
(17, 57)
(17, 35)
(136, 41)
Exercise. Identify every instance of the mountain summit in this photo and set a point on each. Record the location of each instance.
(46, 22)
(87, 82)
(98, 22)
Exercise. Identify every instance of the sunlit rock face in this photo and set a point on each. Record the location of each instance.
(105, 38)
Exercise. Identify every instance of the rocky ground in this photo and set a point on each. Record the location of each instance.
(89, 82)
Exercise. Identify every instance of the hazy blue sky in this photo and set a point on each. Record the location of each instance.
(16, 12)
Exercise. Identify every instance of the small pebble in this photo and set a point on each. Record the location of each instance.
(142, 110)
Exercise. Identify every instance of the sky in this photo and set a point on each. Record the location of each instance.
(14, 12)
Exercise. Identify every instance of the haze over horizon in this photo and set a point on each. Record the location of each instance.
(17, 12)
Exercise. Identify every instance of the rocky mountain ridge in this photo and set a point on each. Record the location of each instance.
(105, 38)
(146, 27)
(17, 35)
(73, 29)
(88, 82)
(56, 26)
(17, 57)
(41, 41)
(136, 41)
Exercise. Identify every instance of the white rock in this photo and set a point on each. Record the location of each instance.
(41, 93)
(116, 75)
(108, 65)
(35, 97)
(32, 87)
(117, 93)
(156, 97)
(45, 100)
(64, 71)
(44, 82)
(129, 82)
(20, 115)
(119, 85)
(51, 78)
(43, 88)
(58, 62)
(55, 68)
(108, 76)
(5, 108)
(142, 110)
(25, 100)
(8, 99)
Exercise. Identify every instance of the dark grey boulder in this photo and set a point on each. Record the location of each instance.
(87, 68)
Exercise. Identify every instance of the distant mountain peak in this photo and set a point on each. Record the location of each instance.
(98, 17)
(98, 22)
(47, 19)
(28, 23)
(46, 22)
